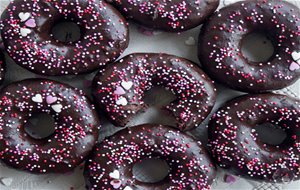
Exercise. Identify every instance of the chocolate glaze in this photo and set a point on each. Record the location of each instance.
(76, 126)
(120, 89)
(168, 15)
(235, 145)
(221, 37)
(190, 165)
(28, 38)
(2, 62)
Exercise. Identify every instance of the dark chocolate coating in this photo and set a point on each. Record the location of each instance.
(221, 38)
(120, 89)
(168, 15)
(235, 145)
(76, 126)
(28, 38)
(2, 62)
(190, 165)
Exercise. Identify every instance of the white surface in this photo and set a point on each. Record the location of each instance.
(161, 42)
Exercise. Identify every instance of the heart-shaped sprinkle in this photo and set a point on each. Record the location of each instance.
(190, 41)
(7, 181)
(24, 16)
(116, 184)
(127, 188)
(119, 91)
(145, 31)
(57, 108)
(25, 31)
(127, 85)
(122, 101)
(229, 179)
(296, 56)
(37, 98)
(115, 174)
(51, 99)
(30, 23)
(294, 66)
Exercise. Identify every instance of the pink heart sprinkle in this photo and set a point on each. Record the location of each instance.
(119, 91)
(294, 66)
(51, 99)
(229, 178)
(68, 173)
(30, 23)
(116, 184)
(145, 31)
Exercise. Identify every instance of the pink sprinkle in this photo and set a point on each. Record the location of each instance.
(145, 31)
(229, 178)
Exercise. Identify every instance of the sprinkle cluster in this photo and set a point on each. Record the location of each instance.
(76, 126)
(27, 33)
(235, 144)
(221, 38)
(109, 167)
(121, 88)
(167, 14)
(176, 13)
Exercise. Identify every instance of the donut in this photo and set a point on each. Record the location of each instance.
(235, 145)
(28, 38)
(167, 15)
(110, 165)
(2, 62)
(76, 126)
(120, 89)
(222, 36)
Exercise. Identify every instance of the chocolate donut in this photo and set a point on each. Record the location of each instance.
(222, 35)
(28, 38)
(76, 126)
(2, 62)
(234, 141)
(172, 16)
(120, 89)
(110, 165)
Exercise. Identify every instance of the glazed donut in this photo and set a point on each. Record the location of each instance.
(110, 165)
(76, 126)
(2, 62)
(120, 89)
(27, 35)
(222, 35)
(234, 141)
(172, 16)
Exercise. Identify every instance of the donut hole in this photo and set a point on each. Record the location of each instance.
(271, 134)
(257, 47)
(159, 97)
(66, 31)
(156, 98)
(151, 170)
(40, 126)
